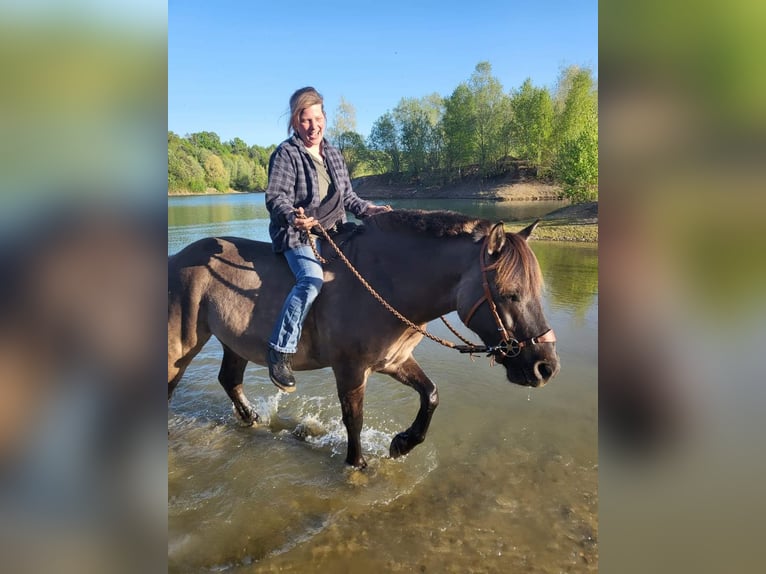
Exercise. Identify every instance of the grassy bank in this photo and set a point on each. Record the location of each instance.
(578, 222)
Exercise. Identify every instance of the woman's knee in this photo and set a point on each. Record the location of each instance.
(310, 285)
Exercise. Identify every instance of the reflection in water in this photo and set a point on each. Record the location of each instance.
(572, 282)
(501, 484)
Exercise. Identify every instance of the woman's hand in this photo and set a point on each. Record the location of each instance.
(375, 209)
(301, 222)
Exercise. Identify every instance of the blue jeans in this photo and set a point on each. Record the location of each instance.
(309, 278)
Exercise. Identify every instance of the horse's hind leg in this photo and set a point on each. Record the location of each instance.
(178, 360)
(412, 375)
(230, 376)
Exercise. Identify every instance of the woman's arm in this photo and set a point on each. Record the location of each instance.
(280, 192)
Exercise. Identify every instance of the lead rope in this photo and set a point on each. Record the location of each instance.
(469, 348)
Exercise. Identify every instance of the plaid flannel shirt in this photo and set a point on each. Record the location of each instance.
(293, 183)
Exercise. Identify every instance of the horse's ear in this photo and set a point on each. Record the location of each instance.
(527, 231)
(496, 238)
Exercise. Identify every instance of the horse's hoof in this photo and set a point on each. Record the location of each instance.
(359, 464)
(399, 446)
(247, 418)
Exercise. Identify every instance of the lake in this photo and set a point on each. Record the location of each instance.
(506, 480)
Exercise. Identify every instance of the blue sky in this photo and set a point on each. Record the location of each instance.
(232, 64)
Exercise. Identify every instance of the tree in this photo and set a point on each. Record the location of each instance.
(260, 178)
(184, 172)
(459, 126)
(242, 173)
(490, 111)
(238, 147)
(531, 125)
(384, 138)
(216, 174)
(576, 104)
(575, 134)
(206, 140)
(413, 127)
(344, 122)
(577, 166)
(354, 151)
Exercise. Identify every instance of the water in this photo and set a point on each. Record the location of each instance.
(506, 480)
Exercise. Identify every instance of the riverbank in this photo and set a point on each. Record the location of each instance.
(577, 222)
(504, 188)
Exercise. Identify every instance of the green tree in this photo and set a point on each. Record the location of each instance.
(343, 122)
(184, 172)
(576, 166)
(216, 174)
(260, 178)
(354, 151)
(237, 147)
(413, 128)
(576, 104)
(206, 140)
(459, 127)
(531, 125)
(384, 138)
(490, 108)
(575, 134)
(242, 173)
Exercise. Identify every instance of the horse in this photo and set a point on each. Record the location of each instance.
(424, 264)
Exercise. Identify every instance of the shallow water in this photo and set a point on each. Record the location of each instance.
(506, 480)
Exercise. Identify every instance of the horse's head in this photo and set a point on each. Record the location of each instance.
(501, 301)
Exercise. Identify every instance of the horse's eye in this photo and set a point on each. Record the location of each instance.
(514, 297)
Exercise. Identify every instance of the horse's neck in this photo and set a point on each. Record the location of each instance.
(425, 272)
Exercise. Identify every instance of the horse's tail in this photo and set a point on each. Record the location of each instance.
(188, 330)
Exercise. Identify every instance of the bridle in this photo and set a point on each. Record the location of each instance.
(508, 346)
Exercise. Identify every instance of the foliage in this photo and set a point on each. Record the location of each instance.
(417, 127)
(531, 125)
(577, 166)
(473, 131)
(384, 138)
(458, 125)
(575, 134)
(344, 122)
(576, 104)
(200, 161)
(354, 151)
(491, 113)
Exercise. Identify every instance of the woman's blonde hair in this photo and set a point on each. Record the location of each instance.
(299, 101)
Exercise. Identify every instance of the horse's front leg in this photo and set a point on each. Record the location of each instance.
(412, 375)
(351, 385)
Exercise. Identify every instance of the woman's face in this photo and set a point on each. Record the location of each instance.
(311, 125)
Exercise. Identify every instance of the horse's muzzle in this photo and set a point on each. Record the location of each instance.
(536, 364)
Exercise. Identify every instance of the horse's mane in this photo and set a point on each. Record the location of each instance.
(517, 267)
(433, 223)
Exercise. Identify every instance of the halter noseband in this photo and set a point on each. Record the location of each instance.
(508, 346)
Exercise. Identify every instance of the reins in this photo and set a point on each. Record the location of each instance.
(468, 348)
(508, 346)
